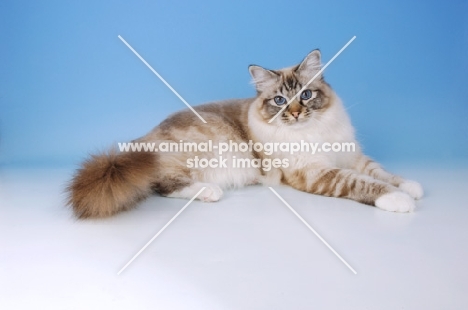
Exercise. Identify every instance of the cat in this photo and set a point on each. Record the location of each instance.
(115, 181)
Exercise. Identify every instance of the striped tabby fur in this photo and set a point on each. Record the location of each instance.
(112, 182)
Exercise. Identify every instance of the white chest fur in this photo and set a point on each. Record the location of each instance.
(331, 127)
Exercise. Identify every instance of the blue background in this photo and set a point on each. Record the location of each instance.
(69, 86)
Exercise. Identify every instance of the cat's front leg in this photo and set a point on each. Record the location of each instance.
(347, 183)
(367, 166)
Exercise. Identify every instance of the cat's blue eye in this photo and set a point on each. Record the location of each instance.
(306, 94)
(280, 100)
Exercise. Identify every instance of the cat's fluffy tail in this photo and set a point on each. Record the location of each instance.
(111, 182)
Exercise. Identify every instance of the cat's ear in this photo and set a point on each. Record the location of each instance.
(311, 64)
(262, 78)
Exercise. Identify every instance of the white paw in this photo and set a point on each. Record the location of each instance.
(211, 193)
(395, 202)
(414, 189)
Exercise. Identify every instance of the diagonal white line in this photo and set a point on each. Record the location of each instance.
(313, 230)
(160, 231)
(162, 79)
(312, 79)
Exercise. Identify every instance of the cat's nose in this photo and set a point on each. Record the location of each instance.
(295, 114)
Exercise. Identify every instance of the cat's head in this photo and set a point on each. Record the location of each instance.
(276, 88)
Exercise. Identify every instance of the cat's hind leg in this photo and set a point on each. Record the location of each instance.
(175, 180)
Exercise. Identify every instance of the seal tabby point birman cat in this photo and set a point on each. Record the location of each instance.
(115, 181)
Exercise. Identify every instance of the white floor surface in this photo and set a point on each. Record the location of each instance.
(247, 251)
